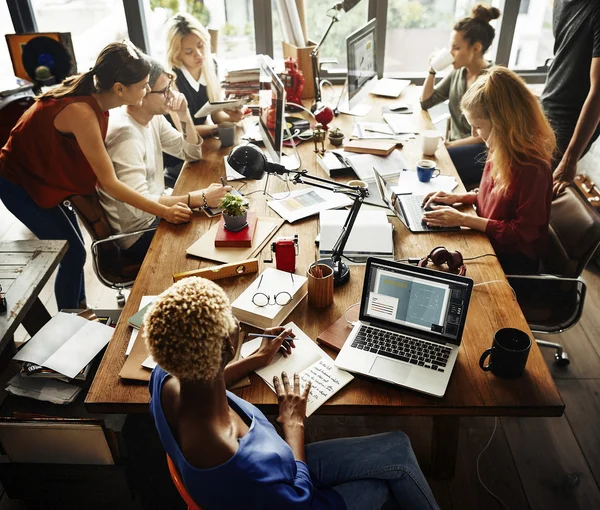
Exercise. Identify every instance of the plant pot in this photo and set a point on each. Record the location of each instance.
(336, 140)
(235, 223)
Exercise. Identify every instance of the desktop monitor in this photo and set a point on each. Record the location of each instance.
(271, 99)
(361, 47)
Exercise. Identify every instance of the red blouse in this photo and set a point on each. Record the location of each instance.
(518, 219)
(48, 164)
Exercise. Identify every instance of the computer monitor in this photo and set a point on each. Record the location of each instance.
(361, 48)
(271, 105)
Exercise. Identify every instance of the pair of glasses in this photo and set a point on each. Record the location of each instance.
(133, 53)
(281, 298)
(166, 92)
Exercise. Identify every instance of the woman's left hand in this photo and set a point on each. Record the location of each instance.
(235, 115)
(443, 216)
(269, 346)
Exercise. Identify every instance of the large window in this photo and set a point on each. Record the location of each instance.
(317, 22)
(533, 41)
(417, 28)
(92, 24)
(230, 22)
(6, 27)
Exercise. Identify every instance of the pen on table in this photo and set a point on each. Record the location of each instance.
(288, 338)
(377, 131)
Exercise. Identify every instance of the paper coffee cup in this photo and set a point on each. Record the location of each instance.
(442, 60)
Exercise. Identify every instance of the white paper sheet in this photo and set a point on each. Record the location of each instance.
(67, 343)
(409, 184)
(387, 166)
(305, 202)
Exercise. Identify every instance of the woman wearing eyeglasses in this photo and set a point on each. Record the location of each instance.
(57, 150)
(227, 452)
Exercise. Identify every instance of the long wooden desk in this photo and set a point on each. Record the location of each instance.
(471, 392)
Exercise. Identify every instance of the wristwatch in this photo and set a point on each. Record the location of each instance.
(431, 71)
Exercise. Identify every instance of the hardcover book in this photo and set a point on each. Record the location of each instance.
(242, 239)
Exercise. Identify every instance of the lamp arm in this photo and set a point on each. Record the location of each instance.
(303, 177)
(340, 244)
(314, 57)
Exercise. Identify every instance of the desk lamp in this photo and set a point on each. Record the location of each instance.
(334, 13)
(341, 271)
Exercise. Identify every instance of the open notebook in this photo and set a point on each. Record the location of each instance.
(308, 360)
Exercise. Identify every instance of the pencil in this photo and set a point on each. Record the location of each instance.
(288, 338)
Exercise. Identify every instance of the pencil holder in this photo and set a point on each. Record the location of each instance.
(320, 285)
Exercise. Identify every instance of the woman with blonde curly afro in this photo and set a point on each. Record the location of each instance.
(228, 454)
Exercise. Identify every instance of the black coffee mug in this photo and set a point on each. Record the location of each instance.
(508, 354)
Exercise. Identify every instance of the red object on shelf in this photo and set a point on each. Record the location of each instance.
(242, 239)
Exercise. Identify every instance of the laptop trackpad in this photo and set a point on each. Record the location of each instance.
(390, 370)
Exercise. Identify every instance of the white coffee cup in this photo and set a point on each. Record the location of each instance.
(441, 60)
(431, 141)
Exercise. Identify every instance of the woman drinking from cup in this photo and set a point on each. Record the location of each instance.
(513, 200)
(470, 39)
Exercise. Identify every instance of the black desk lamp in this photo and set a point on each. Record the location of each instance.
(334, 13)
(341, 271)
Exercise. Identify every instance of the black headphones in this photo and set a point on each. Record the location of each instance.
(440, 255)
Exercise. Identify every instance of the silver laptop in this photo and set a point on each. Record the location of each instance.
(410, 326)
(407, 208)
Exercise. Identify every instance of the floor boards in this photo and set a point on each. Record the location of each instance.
(537, 463)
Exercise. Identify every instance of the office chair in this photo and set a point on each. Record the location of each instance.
(553, 303)
(113, 267)
(187, 499)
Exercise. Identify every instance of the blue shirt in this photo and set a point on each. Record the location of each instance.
(262, 474)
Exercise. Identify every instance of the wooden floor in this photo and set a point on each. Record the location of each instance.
(537, 463)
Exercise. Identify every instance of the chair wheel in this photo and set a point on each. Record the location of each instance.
(121, 300)
(562, 359)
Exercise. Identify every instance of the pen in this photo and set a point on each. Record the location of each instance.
(288, 338)
(377, 131)
(223, 181)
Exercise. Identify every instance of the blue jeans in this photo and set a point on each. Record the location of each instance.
(371, 471)
(469, 161)
(56, 223)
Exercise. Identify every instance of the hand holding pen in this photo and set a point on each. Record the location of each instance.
(274, 340)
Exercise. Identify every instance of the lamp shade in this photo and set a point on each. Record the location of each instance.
(248, 160)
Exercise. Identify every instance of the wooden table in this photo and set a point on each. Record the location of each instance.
(25, 267)
(471, 391)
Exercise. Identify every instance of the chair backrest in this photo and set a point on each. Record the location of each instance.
(574, 234)
(110, 263)
(180, 487)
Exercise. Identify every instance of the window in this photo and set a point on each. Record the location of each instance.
(533, 41)
(92, 23)
(417, 28)
(317, 22)
(6, 27)
(232, 19)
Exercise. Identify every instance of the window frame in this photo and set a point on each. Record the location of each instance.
(23, 18)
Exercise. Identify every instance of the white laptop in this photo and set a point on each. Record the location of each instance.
(410, 326)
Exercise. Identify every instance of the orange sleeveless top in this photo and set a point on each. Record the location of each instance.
(48, 164)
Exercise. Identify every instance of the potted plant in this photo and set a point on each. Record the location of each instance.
(336, 137)
(235, 212)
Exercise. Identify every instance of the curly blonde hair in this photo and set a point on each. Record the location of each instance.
(186, 327)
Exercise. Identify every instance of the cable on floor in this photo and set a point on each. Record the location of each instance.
(477, 465)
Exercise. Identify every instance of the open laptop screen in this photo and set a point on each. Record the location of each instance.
(418, 301)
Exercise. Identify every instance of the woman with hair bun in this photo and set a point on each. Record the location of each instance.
(513, 200)
(470, 40)
(57, 150)
(228, 454)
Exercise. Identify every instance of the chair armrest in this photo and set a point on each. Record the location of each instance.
(124, 235)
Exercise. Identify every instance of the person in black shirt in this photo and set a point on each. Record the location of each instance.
(571, 97)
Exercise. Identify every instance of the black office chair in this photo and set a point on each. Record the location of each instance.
(553, 302)
(113, 267)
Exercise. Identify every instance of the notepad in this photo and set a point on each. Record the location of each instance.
(311, 363)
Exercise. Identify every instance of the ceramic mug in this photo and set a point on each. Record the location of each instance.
(426, 170)
(226, 133)
(431, 141)
(508, 353)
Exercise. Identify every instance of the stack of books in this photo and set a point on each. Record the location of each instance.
(242, 239)
(241, 78)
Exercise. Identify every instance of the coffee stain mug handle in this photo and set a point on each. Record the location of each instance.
(485, 354)
(434, 174)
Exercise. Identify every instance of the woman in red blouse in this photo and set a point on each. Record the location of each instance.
(514, 197)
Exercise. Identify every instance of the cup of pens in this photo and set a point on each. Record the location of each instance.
(320, 285)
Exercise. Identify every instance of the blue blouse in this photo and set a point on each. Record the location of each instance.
(262, 474)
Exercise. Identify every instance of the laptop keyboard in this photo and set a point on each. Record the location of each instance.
(403, 348)
(414, 210)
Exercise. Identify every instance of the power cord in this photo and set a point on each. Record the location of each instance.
(497, 281)
(346, 311)
(477, 465)
(484, 255)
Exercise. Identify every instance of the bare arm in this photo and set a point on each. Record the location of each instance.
(586, 125)
(428, 86)
(80, 120)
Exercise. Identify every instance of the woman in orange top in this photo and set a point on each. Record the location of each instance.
(57, 150)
